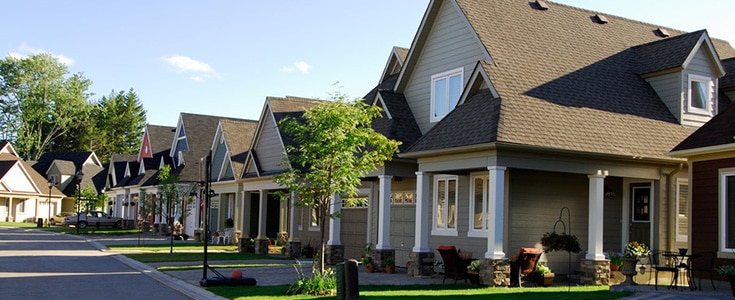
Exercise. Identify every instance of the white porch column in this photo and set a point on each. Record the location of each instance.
(293, 217)
(596, 211)
(496, 211)
(423, 219)
(384, 213)
(262, 214)
(334, 223)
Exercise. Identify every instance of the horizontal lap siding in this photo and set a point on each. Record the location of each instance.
(269, 149)
(450, 45)
(536, 199)
(705, 203)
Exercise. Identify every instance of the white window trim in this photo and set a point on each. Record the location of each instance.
(682, 236)
(707, 110)
(312, 226)
(445, 231)
(472, 232)
(724, 173)
(458, 71)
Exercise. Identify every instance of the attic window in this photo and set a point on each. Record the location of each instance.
(700, 95)
(542, 5)
(662, 32)
(600, 19)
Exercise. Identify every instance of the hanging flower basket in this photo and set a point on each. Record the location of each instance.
(553, 241)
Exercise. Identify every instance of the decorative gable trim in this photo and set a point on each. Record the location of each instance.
(421, 38)
(8, 148)
(394, 62)
(478, 80)
(381, 103)
(145, 150)
(714, 58)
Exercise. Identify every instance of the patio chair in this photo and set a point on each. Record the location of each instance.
(454, 266)
(522, 265)
(703, 262)
(664, 261)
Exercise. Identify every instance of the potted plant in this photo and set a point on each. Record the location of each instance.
(632, 252)
(544, 276)
(728, 271)
(473, 271)
(367, 259)
(389, 265)
(553, 241)
(615, 260)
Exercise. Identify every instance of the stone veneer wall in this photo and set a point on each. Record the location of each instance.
(595, 272)
(261, 246)
(293, 249)
(494, 272)
(379, 257)
(421, 264)
(335, 254)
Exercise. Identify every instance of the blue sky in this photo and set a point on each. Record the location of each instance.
(224, 58)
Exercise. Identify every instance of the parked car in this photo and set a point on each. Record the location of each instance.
(93, 218)
(59, 218)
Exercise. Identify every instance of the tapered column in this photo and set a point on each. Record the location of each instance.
(496, 212)
(596, 214)
(384, 213)
(293, 218)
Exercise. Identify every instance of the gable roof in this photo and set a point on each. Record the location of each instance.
(156, 138)
(565, 82)
(9, 161)
(238, 136)
(674, 53)
(77, 158)
(716, 135)
(398, 121)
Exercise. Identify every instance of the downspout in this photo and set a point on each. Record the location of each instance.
(671, 195)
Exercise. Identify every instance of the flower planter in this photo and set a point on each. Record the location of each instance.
(614, 267)
(370, 267)
(628, 269)
(545, 280)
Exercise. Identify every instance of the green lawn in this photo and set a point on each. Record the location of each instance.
(447, 291)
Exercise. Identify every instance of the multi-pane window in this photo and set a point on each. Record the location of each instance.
(479, 222)
(445, 205)
(446, 88)
(727, 202)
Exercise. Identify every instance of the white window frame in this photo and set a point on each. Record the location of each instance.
(313, 219)
(707, 109)
(724, 174)
(444, 75)
(445, 231)
(681, 235)
(474, 232)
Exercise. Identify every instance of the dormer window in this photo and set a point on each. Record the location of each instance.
(446, 88)
(700, 95)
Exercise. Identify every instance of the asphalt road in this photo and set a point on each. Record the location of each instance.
(35, 264)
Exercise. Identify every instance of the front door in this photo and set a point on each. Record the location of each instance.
(641, 214)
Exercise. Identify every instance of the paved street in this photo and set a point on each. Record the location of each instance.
(35, 264)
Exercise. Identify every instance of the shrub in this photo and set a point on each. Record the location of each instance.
(319, 284)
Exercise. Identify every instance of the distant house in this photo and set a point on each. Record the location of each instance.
(25, 195)
(63, 168)
(710, 152)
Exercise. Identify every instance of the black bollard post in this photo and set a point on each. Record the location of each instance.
(352, 280)
(340, 276)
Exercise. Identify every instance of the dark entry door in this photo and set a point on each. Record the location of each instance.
(641, 214)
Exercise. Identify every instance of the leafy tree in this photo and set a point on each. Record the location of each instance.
(172, 195)
(119, 120)
(334, 147)
(40, 104)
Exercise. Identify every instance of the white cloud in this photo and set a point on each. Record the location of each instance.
(24, 50)
(187, 64)
(302, 66)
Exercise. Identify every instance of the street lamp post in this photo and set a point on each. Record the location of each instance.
(50, 185)
(79, 175)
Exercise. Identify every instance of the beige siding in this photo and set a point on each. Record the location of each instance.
(269, 148)
(669, 89)
(450, 45)
(700, 65)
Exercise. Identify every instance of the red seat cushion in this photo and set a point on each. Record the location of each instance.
(447, 248)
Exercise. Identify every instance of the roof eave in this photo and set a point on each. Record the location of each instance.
(702, 150)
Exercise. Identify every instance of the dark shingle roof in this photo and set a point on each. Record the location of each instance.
(238, 135)
(44, 162)
(718, 131)
(667, 53)
(567, 82)
(728, 81)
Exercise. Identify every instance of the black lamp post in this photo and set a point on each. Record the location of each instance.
(50, 185)
(79, 175)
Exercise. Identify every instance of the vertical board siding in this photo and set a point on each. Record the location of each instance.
(704, 186)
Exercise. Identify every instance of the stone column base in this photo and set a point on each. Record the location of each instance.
(261, 246)
(421, 264)
(379, 257)
(335, 254)
(495, 272)
(293, 249)
(595, 272)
